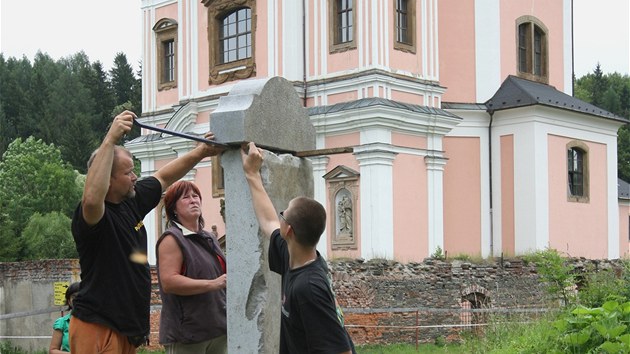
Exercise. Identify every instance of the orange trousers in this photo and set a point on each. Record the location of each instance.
(86, 337)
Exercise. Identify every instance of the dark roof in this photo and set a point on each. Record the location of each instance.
(516, 92)
(377, 101)
(466, 106)
(623, 189)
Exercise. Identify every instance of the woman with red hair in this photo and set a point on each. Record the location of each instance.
(191, 276)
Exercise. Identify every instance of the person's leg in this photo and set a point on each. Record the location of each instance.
(217, 345)
(179, 348)
(88, 337)
(213, 346)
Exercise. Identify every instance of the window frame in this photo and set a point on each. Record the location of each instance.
(410, 45)
(582, 148)
(335, 45)
(532, 49)
(220, 72)
(236, 36)
(218, 181)
(165, 32)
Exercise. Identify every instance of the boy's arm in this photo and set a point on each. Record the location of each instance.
(264, 209)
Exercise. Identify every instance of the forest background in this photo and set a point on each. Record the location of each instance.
(53, 114)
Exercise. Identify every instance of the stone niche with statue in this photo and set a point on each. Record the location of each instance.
(343, 187)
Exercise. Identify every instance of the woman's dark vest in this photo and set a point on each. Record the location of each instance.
(194, 318)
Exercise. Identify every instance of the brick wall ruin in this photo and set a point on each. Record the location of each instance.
(384, 301)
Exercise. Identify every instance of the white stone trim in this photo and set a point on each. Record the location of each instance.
(194, 50)
(319, 165)
(487, 48)
(272, 35)
(292, 46)
(567, 49)
(435, 202)
(377, 226)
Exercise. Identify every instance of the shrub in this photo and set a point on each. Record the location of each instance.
(553, 270)
(48, 236)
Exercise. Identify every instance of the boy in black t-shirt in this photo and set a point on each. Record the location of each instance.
(312, 321)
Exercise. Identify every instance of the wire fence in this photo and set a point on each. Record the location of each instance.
(411, 325)
(428, 325)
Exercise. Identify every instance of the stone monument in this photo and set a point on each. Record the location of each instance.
(267, 112)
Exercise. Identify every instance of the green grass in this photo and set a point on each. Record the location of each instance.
(409, 348)
(387, 349)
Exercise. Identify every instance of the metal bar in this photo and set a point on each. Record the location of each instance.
(417, 328)
(307, 153)
(181, 135)
(7, 316)
(331, 151)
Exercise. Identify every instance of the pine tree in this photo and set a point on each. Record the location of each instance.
(598, 87)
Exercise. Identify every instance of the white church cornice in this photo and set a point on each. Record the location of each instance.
(435, 162)
(357, 79)
(354, 117)
(375, 154)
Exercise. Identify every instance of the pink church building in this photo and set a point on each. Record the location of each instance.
(465, 136)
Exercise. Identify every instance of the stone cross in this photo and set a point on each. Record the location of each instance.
(267, 112)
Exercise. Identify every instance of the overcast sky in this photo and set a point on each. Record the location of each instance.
(102, 29)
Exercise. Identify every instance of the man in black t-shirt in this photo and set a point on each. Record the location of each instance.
(312, 322)
(111, 310)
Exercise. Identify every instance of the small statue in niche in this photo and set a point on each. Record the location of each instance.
(344, 210)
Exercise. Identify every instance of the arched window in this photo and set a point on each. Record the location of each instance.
(532, 49)
(231, 39)
(577, 172)
(575, 163)
(166, 54)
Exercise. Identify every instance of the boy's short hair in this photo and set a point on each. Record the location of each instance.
(308, 220)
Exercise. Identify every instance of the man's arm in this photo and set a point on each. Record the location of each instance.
(177, 168)
(98, 175)
(264, 209)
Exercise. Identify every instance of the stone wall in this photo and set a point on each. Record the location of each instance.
(27, 306)
(384, 301)
(427, 294)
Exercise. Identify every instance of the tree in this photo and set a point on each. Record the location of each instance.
(599, 86)
(127, 89)
(624, 99)
(611, 101)
(104, 99)
(123, 80)
(623, 153)
(34, 178)
(45, 74)
(10, 244)
(73, 114)
(48, 236)
(14, 82)
(612, 93)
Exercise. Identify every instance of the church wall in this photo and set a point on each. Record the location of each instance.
(462, 196)
(578, 228)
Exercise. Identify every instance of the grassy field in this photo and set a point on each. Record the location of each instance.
(388, 349)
